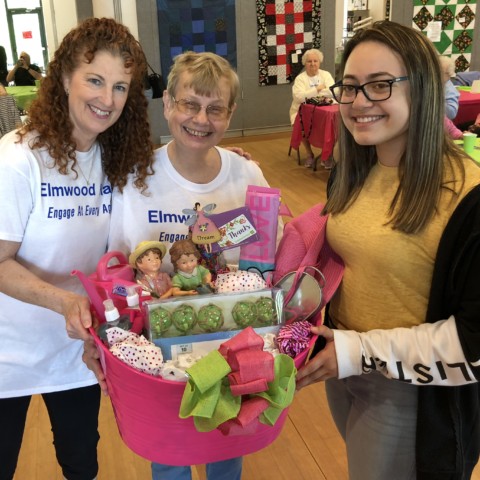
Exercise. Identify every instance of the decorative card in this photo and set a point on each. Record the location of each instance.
(236, 227)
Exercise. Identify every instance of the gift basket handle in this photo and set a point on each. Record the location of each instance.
(120, 270)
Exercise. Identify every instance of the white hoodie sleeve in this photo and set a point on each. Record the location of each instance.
(428, 354)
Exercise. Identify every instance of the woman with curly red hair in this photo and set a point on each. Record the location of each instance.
(86, 132)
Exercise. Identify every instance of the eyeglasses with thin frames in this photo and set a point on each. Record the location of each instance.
(214, 112)
(375, 91)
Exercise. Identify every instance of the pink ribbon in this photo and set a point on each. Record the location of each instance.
(252, 369)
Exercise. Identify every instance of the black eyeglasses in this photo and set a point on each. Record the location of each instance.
(214, 112)
(375, 91)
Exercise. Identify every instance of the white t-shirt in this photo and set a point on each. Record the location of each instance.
(158, 215)
(62, 224)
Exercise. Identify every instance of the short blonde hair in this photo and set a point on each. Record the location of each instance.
(206, 69)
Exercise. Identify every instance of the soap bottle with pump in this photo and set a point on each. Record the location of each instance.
(113, 319)
(132, 296)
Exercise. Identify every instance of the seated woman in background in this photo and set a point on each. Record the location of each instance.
(312, 82)
(452, 130)
(452, 95)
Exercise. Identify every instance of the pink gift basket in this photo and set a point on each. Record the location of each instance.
(147, 408)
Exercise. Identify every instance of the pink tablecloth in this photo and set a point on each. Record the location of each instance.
(318, 125)
(469, 107)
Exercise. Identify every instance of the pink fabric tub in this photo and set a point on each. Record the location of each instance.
(146, 409)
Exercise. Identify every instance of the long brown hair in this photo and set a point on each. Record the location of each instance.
(429, 152)
(126, 145)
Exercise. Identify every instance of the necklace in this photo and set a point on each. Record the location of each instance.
(89, 173)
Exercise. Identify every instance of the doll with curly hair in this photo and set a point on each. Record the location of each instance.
(190, 277)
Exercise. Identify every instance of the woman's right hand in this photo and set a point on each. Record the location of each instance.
(78, 318)
(324, 365)
(73, 307)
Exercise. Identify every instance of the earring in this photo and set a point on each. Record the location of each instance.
(67, 92)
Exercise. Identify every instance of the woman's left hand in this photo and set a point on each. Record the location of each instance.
(240, 151)
(324, 365)
(91, 357)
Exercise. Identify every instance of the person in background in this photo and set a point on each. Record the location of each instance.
(465, 79)
(452, 131)
(24, 72)
(191, 169)
(475, 126)
(9, 113)
(3, 67)
(452, 95)
(401, 360)
(87, 131)
(312, 82)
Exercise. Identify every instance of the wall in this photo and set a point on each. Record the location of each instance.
(123, 11)
(60, 17)
(260, 109)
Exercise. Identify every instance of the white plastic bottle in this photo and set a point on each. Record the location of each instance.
(113, 319)
(132, 296)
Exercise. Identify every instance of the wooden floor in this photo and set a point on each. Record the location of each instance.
(309, 447)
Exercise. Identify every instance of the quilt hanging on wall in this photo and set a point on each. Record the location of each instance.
(197, 25)
(285, 27)
(450, 24)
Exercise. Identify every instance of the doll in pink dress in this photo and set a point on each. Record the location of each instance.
(146, 259)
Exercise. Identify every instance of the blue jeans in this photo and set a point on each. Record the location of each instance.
(377, 418)
(225, 470)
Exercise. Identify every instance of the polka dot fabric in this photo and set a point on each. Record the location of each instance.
(239, 281)
(135, 351)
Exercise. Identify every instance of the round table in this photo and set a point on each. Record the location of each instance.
(23, 95)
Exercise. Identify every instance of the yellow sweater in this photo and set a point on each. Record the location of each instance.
(387, 276)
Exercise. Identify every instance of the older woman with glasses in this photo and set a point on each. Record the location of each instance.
(312, 82)
(190, 171)
(402, 354)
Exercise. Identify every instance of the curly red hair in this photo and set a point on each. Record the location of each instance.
(126, 146)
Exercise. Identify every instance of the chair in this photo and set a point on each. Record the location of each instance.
(9, 115)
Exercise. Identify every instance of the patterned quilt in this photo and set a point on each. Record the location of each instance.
(285, 27)
(458, 22)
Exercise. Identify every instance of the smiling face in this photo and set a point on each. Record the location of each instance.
(97, 93)
(149, 263)
(312, 64)
(197, 131)
(383, 124)
(187, 263)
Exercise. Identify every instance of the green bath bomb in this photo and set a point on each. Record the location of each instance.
(160, 321)
(210, 318)
(184, 318)
(244, 313)
(265, 311)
